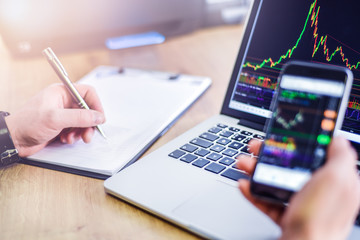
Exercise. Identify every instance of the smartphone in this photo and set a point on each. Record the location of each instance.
(308, 107)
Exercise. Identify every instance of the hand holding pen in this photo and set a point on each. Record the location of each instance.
(62, 74)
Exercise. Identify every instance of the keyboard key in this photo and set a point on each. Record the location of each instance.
(245, 149)
(202, 152)
(215, 168)
(238, 137)
(220, 125)
(214, 156)
(227, 161)
(215, 129)
(246, 141)
(200, 162)
(176, 154)
(201, 143)
(246, 133)
(226, 133)
(258, 136)
(235, 145)
(188, 158)
(223, 141)
(234, 174)
(189, 148)
(209, 136)
(230, 152)
(217, 148)
(234, 129)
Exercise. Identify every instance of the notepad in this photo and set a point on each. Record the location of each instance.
(139, 107)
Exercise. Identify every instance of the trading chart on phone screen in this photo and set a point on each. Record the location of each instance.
(322, 31)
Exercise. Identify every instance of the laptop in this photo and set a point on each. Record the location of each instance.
(192, 180)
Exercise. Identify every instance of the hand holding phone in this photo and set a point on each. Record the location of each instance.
(308, 108)
(312, 211)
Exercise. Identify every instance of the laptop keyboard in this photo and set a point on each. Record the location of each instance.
(216, 150)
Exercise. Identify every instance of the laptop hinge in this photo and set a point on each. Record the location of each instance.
(250, 124)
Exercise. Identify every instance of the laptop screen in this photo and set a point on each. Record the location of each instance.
(322, 31)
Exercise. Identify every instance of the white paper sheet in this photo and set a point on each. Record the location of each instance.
(138, 106)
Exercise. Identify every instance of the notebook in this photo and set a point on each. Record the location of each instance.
(191, 181)
(139, 107)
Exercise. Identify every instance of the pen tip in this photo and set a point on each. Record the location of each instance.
(101, 132)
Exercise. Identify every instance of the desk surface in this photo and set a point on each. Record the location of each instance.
(37, 203)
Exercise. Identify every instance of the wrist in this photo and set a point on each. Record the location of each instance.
(13, 132)
(8, 151)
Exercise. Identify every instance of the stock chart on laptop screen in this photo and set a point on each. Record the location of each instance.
(322, 31)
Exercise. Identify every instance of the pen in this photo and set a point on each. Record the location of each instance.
(62, 74)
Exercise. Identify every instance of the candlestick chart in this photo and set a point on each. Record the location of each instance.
(312, 22)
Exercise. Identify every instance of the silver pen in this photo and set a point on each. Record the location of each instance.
(62, 74)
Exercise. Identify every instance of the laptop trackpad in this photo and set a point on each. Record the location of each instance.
(223, 211)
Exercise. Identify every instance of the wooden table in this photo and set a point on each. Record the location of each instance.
(37, 203)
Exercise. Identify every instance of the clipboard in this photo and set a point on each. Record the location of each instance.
(140, 106)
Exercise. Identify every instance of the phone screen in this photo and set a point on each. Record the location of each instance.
(301, 128)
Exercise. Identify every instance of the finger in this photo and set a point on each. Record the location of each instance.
(254, 146)
(274, 211)
(63, 135)
(78, 132)
(246, 163)
(69, 138)
(87, 92)
(90, 96)
(81, 118)
(87, 134)
(63, 138)
(72, 135)
(340, 146)
(340, 152)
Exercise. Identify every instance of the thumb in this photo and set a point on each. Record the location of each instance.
(341, 152)
(82, 118)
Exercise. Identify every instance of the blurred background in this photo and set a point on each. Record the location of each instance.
(29, 26)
